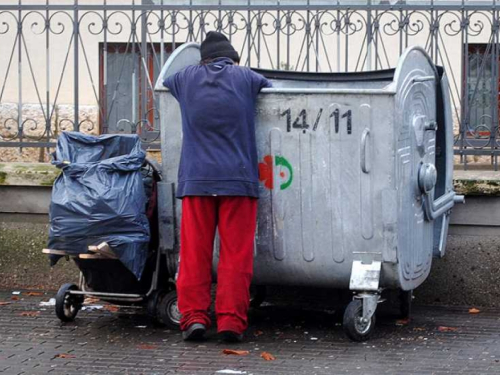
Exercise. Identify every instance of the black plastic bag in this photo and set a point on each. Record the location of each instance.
(99, 197)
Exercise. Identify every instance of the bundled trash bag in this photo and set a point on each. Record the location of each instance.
(99, 197)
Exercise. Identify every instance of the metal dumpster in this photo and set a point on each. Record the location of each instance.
(356, 178)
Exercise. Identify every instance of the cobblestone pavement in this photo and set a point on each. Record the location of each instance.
(33, 341)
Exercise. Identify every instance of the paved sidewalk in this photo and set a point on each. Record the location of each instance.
(33, 341)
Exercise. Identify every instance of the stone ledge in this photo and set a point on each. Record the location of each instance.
(27, 174)
(471, 182)
(477, 182)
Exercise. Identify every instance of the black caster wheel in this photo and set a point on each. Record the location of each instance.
(167, 310)
(353, 324)
(152, 304)
(68, 305)
(257, 296)
(405, 302)
(338, 315)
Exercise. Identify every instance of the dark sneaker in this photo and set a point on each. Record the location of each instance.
(231, 336)
(195, 332)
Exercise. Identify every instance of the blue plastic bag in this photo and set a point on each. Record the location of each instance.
(99, 197)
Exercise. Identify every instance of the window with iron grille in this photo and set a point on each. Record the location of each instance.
(481, 88)
(127, 101)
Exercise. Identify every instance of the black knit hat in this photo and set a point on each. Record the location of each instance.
(217, 45)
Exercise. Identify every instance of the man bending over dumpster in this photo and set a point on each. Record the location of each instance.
(218, 185)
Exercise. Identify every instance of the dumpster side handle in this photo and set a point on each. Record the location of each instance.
(364, 140)
(435, 208)
(427, 177)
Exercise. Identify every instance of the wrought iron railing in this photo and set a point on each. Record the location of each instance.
(90, 65)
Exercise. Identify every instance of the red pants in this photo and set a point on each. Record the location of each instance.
(235, 218)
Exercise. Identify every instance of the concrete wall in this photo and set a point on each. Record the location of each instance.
(468, 274)
(22, 264)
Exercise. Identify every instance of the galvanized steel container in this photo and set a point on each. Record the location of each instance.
(356, 175)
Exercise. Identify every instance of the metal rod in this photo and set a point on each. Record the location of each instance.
(47, 72)
(104, 97)
(369, 37)
(263, 7)
(389, 91)
(144, 72)
(278, 38)
(134, 69)
(102, 294)
(162, 36)
(347, 21)
(308, 35)
(20, 76)
(76, 100)
(249, 34)
(337, 26)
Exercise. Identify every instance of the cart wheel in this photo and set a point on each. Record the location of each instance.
(167, 310)
(353, 325)
(68, 305)
(405, 301)
(258, 295)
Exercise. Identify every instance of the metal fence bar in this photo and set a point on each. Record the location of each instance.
(76, 58)
(305, 36)
(248, 5)
(20, 75)
(494, 132)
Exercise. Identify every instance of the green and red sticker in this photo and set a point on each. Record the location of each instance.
(267, 172)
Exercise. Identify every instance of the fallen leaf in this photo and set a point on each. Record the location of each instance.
(268, 356)
(474, 311)
(418, 329)
(32, 294)
(90, 300)
(147, 347)
(258, 333)
(64, 355)
(30, 313)
(235, 352)
(4, 303)
(111, 308)
(14, 298)
(447, 329)
(403, 322)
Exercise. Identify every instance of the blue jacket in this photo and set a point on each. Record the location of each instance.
(219, 152)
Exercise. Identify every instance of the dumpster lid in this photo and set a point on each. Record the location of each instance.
(372, 82)
(375, 75)
(189, 54)
(185, 55)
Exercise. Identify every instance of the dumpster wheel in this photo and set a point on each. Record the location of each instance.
(353, 325)
(68, 305)
(167, 310)
(405, 302)
(152, 304)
